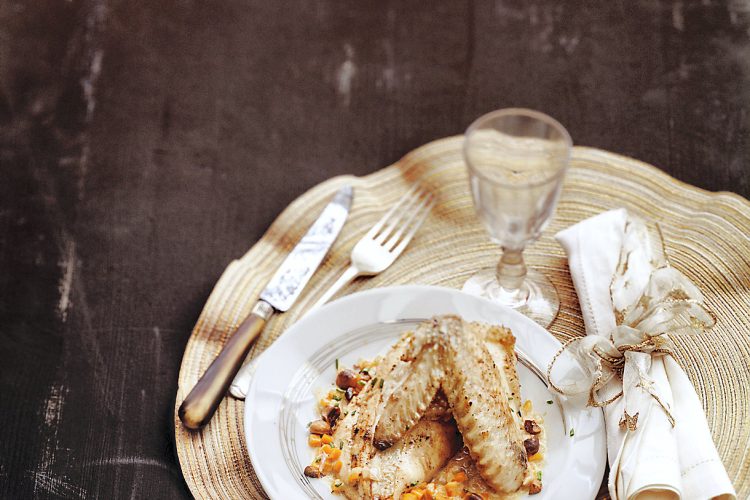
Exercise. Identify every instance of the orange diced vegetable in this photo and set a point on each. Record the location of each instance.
(419, 492)
(453, 488)
(536, 457)
(314, 440)
(326, 439)
(409, 496)
(337, 466)
(334, 454)
(353, 478)
(326, 449)
(430, 492)
(460, 477)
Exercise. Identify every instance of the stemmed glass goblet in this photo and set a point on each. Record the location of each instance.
(516, 159)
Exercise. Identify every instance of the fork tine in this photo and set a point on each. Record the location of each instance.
(414, 223)
(398, 220)
(379, 225)
(393, 239)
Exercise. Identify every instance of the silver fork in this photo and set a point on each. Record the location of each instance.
(382, 244)
(372, 254)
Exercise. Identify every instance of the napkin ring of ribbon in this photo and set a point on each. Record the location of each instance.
(650, 301)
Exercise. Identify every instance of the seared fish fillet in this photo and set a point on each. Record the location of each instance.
(422, 452)
(410, 384)
(501, 345)
(479, 400)
(462, 462)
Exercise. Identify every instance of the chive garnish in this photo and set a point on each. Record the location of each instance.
(549, 401)
(572, 432)
(337, 364)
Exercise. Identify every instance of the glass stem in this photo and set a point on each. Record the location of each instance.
(511, 270)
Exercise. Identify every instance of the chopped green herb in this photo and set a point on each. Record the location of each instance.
(336, 397)
(549, 401)
(510, 398)
(572, 432)
(354, 412)
(317, 459)
(412, 485)
(341, 445)
(339, 389)
(337, 364)
(361, 382)
(519, 413)
(539, 475)
(381, 383)
(374, 380)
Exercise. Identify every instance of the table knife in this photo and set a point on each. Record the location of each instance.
(278, 296)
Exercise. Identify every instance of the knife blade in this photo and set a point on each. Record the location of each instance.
(279, 294)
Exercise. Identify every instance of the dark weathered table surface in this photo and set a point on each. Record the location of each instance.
(144, 144)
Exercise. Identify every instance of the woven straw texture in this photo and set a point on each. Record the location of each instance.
(707, 237)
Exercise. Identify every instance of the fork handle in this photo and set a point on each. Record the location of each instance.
(348, 275)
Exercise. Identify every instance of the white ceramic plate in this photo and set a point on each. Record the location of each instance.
(281, 399)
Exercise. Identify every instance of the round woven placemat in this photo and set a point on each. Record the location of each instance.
(707, 237)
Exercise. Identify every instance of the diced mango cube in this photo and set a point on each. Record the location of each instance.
(526, 409)
(314, 440)
(460, 477)
(453, 488)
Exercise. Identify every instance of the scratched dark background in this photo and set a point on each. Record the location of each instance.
(144, 144)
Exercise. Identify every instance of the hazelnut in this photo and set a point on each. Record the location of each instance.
(312, 471)
(331, 415)
(346, 378)
(531, 445)
(531, 427)
(320, 427)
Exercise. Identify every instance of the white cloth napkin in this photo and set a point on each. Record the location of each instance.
(656, 460)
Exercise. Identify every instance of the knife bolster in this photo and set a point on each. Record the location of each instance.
(262, 309)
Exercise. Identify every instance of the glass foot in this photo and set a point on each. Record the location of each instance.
(537, 297)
